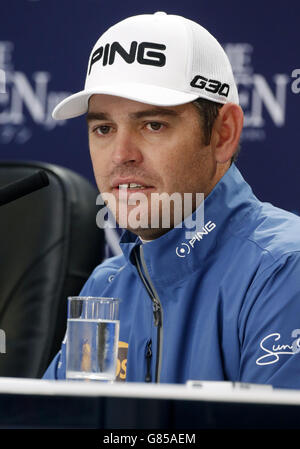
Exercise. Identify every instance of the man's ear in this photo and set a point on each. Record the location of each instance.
(226, 132)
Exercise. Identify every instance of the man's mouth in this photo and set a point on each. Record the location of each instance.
(123, 191)
(122, 188)
(125, 187)
(132, 185)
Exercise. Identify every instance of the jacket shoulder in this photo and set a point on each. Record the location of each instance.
(112, 263)
(103, 274)
(277, 231)
(273, 230)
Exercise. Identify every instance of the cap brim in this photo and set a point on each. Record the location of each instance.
(77, 104)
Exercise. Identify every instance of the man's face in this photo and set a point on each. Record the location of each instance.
(139, 150)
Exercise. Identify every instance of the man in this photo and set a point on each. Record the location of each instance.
(222, 303)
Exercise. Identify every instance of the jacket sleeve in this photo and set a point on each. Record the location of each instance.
(51, 372)
(270, 326)
(57, 368)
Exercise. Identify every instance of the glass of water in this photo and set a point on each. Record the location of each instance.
(92, 338)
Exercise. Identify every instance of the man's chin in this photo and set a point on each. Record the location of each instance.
(148, 233)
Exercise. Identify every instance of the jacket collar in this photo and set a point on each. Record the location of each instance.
(172, 256)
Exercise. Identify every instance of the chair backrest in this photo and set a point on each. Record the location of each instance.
(49, 244)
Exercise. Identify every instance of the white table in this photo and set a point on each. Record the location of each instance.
(42, 403)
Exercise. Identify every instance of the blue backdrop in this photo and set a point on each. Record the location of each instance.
(44, 49)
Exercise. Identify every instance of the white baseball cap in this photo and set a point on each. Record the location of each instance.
(157, 59)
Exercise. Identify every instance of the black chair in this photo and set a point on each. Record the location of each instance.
(49, 244)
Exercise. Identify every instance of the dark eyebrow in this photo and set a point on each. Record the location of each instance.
(153, 112)
(96, 116)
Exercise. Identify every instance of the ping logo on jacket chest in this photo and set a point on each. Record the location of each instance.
(184, 249)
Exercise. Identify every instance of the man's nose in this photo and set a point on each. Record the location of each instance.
(126, 148)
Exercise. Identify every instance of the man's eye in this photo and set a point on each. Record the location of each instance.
(104, 129)
(154, 126)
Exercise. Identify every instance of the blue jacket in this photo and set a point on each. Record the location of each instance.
(224, 305)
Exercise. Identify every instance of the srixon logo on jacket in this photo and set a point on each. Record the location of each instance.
(185, 248)
(144, 53)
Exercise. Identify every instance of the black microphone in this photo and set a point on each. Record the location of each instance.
(23, 187)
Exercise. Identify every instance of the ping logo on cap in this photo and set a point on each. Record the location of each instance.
(213, 86)
(143, 53)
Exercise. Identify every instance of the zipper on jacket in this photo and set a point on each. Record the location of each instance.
(148, 377)
(157, 313)
(156, 307)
